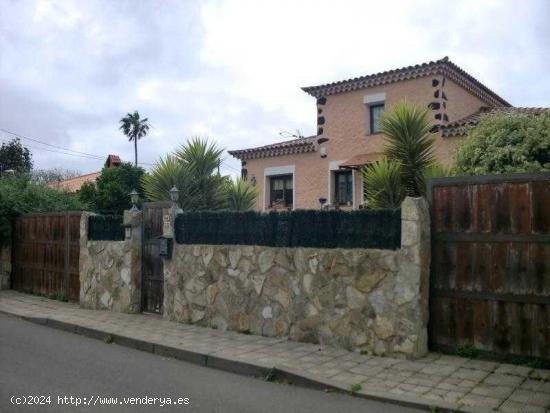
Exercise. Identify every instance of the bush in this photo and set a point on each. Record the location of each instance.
(20, 195)
(301, 228)
(506, 144)
(382, 185)
(111, 193)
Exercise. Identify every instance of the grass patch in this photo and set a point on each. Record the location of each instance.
(355, 388)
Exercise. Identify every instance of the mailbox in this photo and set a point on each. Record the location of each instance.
(165, 247)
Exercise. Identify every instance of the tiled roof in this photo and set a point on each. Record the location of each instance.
(362, 159)
(458, 127)
(442, 67)
(74, 184)
(300, 145)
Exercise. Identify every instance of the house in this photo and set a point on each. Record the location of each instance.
(299, 173)
(74, 184)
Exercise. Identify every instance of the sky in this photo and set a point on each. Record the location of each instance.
(231, 70)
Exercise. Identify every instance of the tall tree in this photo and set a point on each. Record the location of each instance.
(14, 156)
(134, 128)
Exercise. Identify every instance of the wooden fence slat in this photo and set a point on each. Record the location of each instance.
(490, 279)
(46, 252)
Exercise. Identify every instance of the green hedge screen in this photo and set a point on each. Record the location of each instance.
(105, 228)
(300, 228)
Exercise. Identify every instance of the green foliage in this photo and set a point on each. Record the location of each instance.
(409, 144)
(19, 195)
(193, 170)
(436, 170)
(134, 128)
(506, 144)
(240, 195)
(111, 193)
(354, 388)
(467, 350)
(15, 156)
(301, 228)
(382, 185)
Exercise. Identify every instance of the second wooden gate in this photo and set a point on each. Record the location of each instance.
(152, 268)
(490, 278)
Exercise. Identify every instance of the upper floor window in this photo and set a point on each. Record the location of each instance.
(343, 187)
(281, 191)
(375, 112)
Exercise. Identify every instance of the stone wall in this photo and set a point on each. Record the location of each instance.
(110, 271)
(5, 267)
(360, 299)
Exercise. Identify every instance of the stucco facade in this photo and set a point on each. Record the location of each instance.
(343, 111)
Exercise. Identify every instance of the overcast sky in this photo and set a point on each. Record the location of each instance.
(232, 70)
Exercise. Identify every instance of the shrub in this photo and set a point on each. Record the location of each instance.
(382, 185)
(506, 144)
(111, 192)
(20, 195)
(240, 195)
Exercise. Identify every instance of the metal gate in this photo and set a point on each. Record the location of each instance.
(46, 249)
(152, 291)
(490, 278)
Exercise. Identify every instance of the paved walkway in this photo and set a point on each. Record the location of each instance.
(448, 382)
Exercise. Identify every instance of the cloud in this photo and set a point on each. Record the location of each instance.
(233, 69)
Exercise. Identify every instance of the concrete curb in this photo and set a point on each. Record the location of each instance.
(233, 365)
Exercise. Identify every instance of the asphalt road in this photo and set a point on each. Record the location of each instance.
(40, 361)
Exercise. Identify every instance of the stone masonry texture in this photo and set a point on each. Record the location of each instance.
(361, 299)
(110, 272)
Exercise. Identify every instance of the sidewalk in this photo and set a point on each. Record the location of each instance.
(449, 382)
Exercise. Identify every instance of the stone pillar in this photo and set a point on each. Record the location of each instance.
(414, 272)
(5, 267)
(110, 271)
(133, 221)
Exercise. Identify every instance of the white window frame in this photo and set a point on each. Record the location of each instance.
(274, 171)
(373, 99)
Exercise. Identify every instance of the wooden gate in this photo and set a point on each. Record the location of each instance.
(46, 249)
(490, 278)
(152, 268)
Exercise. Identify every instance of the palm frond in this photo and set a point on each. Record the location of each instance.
(382, 184)
(240, 195)
(409, 144)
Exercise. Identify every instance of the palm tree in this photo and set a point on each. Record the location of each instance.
(240, 195)
(382, 184)
(134, 128)
(409, 144)
(193, 170)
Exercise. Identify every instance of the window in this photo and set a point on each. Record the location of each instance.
(343, 187)
(375, 111)
(281, 190)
